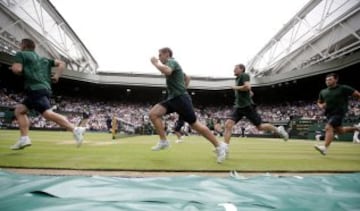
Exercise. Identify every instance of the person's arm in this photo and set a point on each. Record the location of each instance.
(251, 93)
(60, 67)
(321, 104)
(244, 88)
(356, 94)
(187, 80)
(17, 68)
(166, 70)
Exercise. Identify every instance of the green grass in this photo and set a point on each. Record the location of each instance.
(99, 151)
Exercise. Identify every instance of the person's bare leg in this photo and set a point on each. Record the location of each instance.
(204, 131)
(178, 135)
(329, 135)
(155, 115)
(24, 124)
(271, 128)
(221, 148)
(229, 124)
(58, 119)
(61, 120)
(347, 129)
(22, 119)
(267, 127)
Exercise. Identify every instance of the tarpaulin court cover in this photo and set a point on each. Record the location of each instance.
(235, 192)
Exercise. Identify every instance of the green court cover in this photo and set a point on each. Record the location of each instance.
(236, 192)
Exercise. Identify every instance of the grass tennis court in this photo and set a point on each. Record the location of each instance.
(100, 152)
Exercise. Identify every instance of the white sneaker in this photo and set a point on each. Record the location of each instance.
(179, 141)
(317, 137)
(79, 135)
(161, 145)
(321, 149)
(21, 144)
(221, 152)
(281, 130)
(227, 152)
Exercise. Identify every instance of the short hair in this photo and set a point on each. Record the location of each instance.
(166, 50)
(241, 66)
(336, 76)
(28, 44)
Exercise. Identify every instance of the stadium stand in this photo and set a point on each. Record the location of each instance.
(285, 91)
(132, 112)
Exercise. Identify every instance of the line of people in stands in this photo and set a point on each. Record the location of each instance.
(100, 111)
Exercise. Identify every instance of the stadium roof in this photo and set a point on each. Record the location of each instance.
(320, 32)
(323, 36)
(40, 21)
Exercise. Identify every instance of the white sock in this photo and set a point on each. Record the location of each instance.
(222, 144)
(76, 128)
(24, 137)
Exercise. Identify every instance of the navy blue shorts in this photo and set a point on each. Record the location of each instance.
(334, 120)
(38, 100)
(183, 106)
(249, 112)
